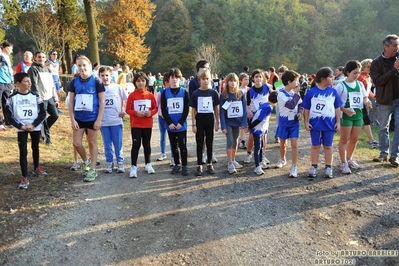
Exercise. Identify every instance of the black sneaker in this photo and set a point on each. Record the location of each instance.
(185, 170)
(176, 169)
(199, 170)
(210, 169)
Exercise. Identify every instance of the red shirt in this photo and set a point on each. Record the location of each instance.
(135, 101)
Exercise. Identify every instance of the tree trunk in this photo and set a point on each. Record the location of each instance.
(91, 22)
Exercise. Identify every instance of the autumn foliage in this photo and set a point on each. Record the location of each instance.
(126, 22)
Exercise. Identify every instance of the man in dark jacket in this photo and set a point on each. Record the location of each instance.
(43, 84)
(384, 71)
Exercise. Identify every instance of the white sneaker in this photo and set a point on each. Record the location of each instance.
(214, 160)
(133, 171)
(329, 173)
(204, 158)
(2, 127)
(162, 157)
(258, 170)
(248, 158)
(345, 168)
(263, 165)
(149, 169)
(352, 164)
(237, 165)
(75, 166)
(264, 159)
(121, 167)
(312, 172)
(172, 162)
(231, 168)
(281, 162)
(109, 167)
(294, 171)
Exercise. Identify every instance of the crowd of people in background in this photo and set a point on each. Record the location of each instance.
(356, 95)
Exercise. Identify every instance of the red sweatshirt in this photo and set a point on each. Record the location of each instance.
(141, 100)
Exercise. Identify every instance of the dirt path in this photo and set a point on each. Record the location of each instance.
(224, 219)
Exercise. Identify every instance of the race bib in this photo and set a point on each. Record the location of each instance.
(110, 101)
(355, 100)
(319, 107)
(27, 112)
(291, 115)
(175, 105)
(205, 105)
(142, 105)
(235, 110)
(84, 102)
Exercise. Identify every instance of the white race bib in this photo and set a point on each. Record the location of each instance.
(142, 105)
(235, 110)
(175, 105)
(27, 112)
(319, 107)
(84, 102)
(205, 105)
(110, 101)
(355, 100)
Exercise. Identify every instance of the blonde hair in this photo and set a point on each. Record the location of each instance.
(365, 62)
(83, 57)
(204, 73)
(237, 92)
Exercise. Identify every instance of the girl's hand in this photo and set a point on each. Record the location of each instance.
(216, 127)
(337, 126)
(178, 127)
(246, 130)
(194, 129)
(349, 112)
(97, 125)
(122, 114)
(75, 125)
(172, 126)
(224, 131)
(308, 126)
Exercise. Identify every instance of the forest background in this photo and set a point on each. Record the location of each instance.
(156, 35)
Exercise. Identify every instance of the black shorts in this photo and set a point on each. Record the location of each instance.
(366, 118)
(87, 125)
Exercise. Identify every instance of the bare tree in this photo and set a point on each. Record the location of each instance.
(210, 54)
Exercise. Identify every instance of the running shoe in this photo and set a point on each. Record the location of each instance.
(258, 170)
(210, 170)
(133, 171)
(328, 173)
(162, 157)
(24, 183)
(281, 162)
(263, 165)
(352, 164)
(39, 172)
(231, 168)
(242, 145)
(293, 172)
(199, 171)
(185, 170)
(109, 168)
(172, 162)
(149, 169)
(374, 144)
(75, 166)
(345, 168)
(91, 175)
(86, 167)
(214, 160)
(121, 168)
(237, 165)
(248, 158)
(176, 169)
(312, 172)
(264, 159)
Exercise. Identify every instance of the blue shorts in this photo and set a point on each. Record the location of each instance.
(321, 137)
(287, 132)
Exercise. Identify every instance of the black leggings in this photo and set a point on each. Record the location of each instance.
(139, 134)
(23, 150)
(178, 140)
(205, 125)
